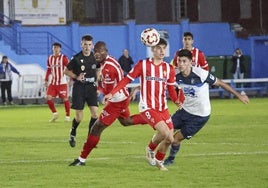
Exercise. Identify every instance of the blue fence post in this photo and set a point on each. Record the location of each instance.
(16, 39)
(75, 37)
(131, 31)
(185, 26)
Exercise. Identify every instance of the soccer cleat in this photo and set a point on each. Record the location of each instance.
(72, 141)
(160, 165)
(67, 119)
(77, 162)
(168, 162)
(150, 156)
(55, 116)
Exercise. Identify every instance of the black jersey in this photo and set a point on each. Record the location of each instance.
(84, 64)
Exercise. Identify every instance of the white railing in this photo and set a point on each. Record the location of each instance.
(258, 85)
(31, 86)
(229, 81)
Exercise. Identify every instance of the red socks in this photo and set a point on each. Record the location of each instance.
(152, 146)
(51, 106)
(53, 109)
(91, 142)
(160, 156)
(67, 107)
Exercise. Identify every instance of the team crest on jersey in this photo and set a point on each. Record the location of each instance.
(189, 91)
(93, 66)
(83, 68)
(107, 77)
(192, 81)
(169, 120)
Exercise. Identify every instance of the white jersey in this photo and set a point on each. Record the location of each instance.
(196, 91)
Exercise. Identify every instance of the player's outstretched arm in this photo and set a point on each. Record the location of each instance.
(119, 86)
(243, 98)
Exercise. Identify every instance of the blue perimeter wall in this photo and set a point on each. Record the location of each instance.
(214, 39)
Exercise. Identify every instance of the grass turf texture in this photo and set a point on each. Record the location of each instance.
(230, 151)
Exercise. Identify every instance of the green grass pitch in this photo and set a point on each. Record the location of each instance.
(230, 151)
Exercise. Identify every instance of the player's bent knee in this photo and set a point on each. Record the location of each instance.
(97, 128)
(178, 136)
(125, 122)
(165, 135)
(170, 139)
(49, 98)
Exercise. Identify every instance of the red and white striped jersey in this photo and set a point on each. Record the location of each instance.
(198, 60)
(56, 66)
(110, 74)
(154, 80)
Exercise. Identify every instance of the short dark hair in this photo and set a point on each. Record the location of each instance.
(162, 41)
(100, 44)
(185, 53)
(4, 57)
(56, 44)
(87, 37)
(188, 34)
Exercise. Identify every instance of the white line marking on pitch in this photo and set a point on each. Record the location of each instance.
(137, 157)
(130, 142)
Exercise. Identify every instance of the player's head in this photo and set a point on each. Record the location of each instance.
(159, 50)
(184, 59)
(100, 51)
(185, 53)
(56, 48)
(56, 44)
(87, 38)
(188, 40)
(4, 59)
(162, 42)
(87, 44)
(188, 34)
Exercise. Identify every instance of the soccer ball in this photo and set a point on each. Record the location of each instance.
(150, 37)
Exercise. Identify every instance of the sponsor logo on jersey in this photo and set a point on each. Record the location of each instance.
(150, 78)
(189, 91)
(104, 114)
(169, 120)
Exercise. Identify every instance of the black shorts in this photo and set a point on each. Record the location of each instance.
(84, 92)
(188, 124)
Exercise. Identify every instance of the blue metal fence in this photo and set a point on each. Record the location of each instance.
(37, 42)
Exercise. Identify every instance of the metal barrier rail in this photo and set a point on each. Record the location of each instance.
(31, 86)
(260, 85)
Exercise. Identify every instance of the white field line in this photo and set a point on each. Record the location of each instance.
(136, 157)
(130, 142)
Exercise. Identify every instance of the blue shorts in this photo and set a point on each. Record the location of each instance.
(188, 124)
